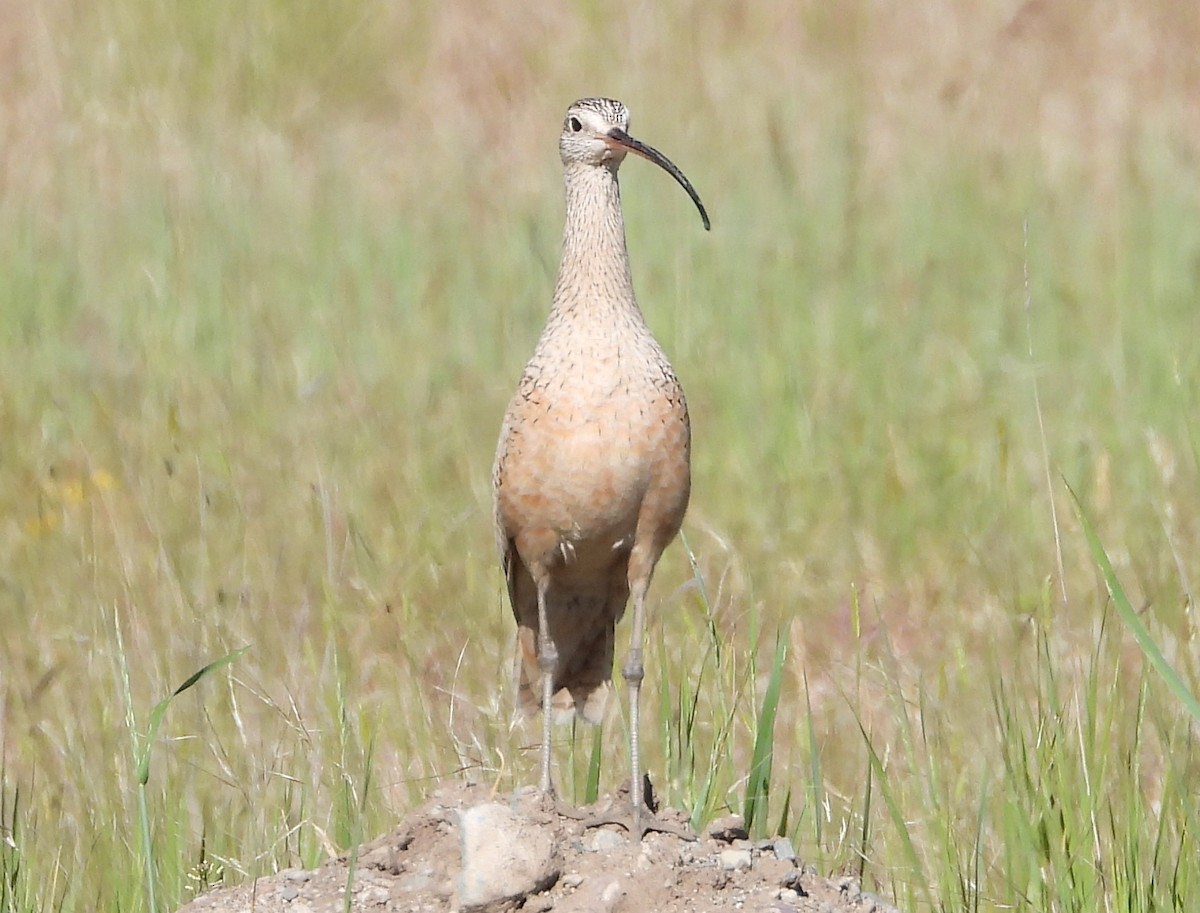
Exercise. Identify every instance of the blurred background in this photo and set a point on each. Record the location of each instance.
(269, 272)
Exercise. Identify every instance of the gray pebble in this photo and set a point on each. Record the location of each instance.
(782, 848)
(733, 860)
(728, 829)
(375, 896)
(414, 883)
(611, 894)
(602, 841)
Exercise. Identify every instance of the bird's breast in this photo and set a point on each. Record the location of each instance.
(588, 435)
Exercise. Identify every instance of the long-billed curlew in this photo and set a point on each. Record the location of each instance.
(592, 472)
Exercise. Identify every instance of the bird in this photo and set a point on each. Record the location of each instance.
(592, 474)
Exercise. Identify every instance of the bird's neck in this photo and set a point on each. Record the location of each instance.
(594, 273)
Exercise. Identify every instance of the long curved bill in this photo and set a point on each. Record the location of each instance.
(621, 138)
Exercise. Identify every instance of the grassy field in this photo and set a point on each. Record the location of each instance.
(270, 273)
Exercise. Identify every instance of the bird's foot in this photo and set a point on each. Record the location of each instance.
(640, 825)
(566, 810)
(638, 822)
(547, 805)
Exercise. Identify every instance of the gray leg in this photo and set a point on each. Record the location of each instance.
(643, 819)
(548, 664)
(634, 672)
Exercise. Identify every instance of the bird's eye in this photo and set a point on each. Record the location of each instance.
(574, 124)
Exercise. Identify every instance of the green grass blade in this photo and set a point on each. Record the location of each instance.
(160, 709)
(864, 837)
(592, 788)
(897, 815)
(10, 846)
(1132, 620)
(977, 844)
(143, 752)
(356, 843)
(698, 579)
(141, 755)
(815, 793)
(784, 814)
(759, 785)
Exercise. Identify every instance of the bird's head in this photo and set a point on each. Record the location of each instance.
(595, 134)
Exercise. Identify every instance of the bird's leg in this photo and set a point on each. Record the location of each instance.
(548, 664)
(634, 671)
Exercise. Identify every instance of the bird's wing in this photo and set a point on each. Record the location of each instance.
(514, 570)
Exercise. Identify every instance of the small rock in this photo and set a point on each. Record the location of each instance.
(602, 841)
(735, 860)
(289, 893)
(414, 883)
(375, 896)
(611, 894)
(788, 895)
(298, 875)
(385, 858)
(505, 857)
(782, 848)
(573, 880)
(728, 829)
(792, 880)
(849, 886)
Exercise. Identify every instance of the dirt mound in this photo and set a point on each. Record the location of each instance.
(467, 849)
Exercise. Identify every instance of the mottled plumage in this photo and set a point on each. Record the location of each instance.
(592, 473)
